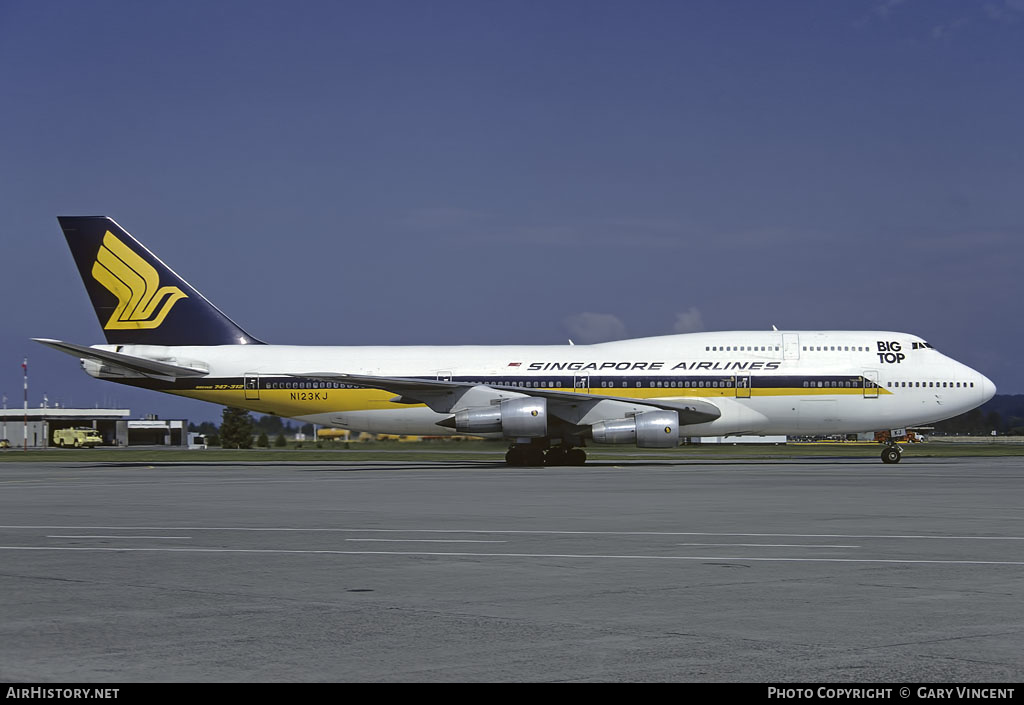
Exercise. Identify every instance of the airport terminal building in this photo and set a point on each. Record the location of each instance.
(113, 425)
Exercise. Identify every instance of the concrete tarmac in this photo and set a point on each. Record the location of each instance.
(760, 571)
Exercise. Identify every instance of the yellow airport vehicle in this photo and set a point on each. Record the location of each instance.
(77, 438)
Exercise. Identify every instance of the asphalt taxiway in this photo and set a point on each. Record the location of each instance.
(764, 571)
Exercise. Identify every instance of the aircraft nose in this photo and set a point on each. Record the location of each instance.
(988, 389)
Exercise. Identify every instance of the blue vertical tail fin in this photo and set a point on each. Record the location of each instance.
(138, 299)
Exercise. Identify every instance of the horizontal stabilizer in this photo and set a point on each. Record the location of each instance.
(142, 365)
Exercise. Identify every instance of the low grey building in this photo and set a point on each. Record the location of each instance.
(39, 424)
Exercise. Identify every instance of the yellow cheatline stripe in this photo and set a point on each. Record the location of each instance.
(298, 402)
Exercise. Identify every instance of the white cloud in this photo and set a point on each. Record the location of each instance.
(943, 31)
(1005, 11)
(689, 321)
(886, 7)
(594, 327)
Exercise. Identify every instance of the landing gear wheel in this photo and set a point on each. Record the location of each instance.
(534, 457)
(556, 456)
(891, 455)
(515, 456)
(61, 443)
(576, 456)
(525, 456)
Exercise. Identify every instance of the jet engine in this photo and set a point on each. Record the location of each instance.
(648, 429)
(514, 418)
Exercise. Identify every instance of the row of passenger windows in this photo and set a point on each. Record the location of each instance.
(555, 384)
(741, 348)
(611, 384)
(836, 348)
(683, 384)
(307, 385)
(775, 348)
(337, 385)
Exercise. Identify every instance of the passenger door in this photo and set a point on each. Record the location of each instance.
(251, 382)
(870, 384)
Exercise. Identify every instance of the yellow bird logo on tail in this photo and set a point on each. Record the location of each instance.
(136, 284)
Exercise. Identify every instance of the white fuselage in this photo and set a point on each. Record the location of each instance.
(763, 382)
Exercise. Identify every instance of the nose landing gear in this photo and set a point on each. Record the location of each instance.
(892, 454)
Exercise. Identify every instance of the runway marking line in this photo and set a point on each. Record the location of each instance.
(767, 545)
(117, 537)
(429, 540)
(584, 556)
(527, 532)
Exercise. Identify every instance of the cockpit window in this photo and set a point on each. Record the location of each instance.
(922, 345)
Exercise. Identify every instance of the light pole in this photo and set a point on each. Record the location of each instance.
(24, 367)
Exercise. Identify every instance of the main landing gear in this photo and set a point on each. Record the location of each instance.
(892, 454)
(537, 456)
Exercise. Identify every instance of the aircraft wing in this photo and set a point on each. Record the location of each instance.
(690, 410)
(445, 396)
(141, 365)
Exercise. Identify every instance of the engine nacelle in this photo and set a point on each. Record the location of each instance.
(526, 417)
(649, 429)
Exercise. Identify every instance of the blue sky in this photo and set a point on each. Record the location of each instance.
(519, 172)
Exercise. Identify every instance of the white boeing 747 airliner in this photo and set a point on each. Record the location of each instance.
(548, 401)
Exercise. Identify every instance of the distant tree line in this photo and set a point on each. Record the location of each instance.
(238, 428)
(1004, 414)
